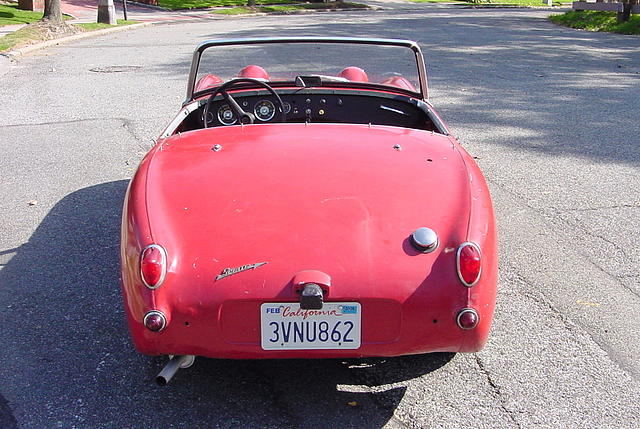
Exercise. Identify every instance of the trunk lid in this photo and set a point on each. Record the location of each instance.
(340, 199)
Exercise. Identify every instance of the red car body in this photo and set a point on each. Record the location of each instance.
(248, 214)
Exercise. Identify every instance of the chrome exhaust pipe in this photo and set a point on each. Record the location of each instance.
(170, 369)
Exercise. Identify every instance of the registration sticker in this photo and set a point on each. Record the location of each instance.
(285, 326)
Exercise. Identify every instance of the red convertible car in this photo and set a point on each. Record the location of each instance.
(307, 202)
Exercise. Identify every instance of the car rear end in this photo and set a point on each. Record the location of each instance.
(220, 247)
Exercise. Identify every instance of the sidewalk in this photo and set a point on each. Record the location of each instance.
(87, 11)
(6, 29)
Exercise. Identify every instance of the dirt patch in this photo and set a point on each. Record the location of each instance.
(35, 33)
(53, 30)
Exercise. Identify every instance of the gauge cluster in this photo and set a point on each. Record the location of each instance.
(297, 108)
(264, 110)
(341, 107)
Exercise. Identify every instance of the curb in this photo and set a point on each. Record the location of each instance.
(17, 53)
(150, 6)
(297, 12)
(511, 6)
(211, 9)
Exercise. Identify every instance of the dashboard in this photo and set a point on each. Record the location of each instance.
(313, 105)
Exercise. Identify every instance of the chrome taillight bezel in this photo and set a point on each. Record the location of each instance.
(462, 280)
(163, 274)
(156, 313)
(467, 310)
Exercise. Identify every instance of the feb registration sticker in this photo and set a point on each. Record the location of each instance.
(285, 326)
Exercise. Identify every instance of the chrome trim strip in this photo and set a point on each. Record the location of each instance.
(164, 266)
(188, 107)
(426, 107)
(467, 310)
(159, 313)
(468, 243)
(197, 54)
(391, 109)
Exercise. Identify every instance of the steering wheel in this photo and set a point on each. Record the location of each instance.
(243, 117)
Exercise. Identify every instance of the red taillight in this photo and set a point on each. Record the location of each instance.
(153, 265)
(155, 321)
(469, 263)
(467, 318)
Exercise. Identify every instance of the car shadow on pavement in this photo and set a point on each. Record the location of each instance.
(67, 360)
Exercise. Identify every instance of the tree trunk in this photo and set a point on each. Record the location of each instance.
(52, 11)
(251, 3)
(625, 15)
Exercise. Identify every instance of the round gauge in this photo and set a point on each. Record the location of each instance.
(264, 110)
(287, 107)
(226, 115)
(209, 118)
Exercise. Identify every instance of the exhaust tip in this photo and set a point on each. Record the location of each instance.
(170, 369)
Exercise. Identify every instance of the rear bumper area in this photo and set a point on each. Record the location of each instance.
(232, 330)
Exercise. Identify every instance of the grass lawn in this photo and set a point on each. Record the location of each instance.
(592, 20)
(441, 1)
(39, 32)
(195, 4)
(21, 37)
(241, 10)
(11, 15)
(524, 3)
(91, 26)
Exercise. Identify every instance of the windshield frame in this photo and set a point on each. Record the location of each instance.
(422, 73)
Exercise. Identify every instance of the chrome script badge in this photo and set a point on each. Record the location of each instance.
(231, 271)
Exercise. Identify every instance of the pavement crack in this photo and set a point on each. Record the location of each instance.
(39, 124)
(128, 127)
(617, 206)
(585, 230)
(496, 391)
(541, 299)
(556, 214)
(127, 124)
(595, 264)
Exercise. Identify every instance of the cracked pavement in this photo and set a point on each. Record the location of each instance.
(551, 114)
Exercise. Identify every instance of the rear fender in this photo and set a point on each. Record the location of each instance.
(482, 231)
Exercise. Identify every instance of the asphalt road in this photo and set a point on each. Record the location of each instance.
(551, 113)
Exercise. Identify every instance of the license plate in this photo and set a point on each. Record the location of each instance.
(284, 326)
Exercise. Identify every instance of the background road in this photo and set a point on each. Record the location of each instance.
(551, 114)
